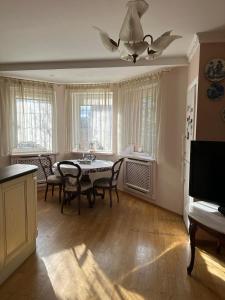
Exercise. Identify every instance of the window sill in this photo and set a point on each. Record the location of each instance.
(27, 154)
(94, 152)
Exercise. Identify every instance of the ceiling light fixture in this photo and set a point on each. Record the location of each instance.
(132, 42)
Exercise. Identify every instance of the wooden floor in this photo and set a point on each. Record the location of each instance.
(132, 251)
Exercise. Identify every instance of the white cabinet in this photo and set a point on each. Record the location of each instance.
(18, 225)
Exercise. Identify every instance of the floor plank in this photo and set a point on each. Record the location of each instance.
(133, 251)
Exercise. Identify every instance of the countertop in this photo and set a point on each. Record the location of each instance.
(14, 171)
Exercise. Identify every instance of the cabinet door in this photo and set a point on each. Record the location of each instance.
(17, 222)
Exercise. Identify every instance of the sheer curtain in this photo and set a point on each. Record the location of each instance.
(29, 116)
(138, 114)
(5, 112)
(90, 117)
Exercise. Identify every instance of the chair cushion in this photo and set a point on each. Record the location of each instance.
(54, 179)
(104, 182)
(72, 186)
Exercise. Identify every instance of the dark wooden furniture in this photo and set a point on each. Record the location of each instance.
(51, 179)
(205, 216)
(73, 185)
(108, 183)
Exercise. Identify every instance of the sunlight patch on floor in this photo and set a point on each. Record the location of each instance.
(75, 272)
(136, 269)
(215, 267)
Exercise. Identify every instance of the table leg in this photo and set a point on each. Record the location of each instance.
(192, 232)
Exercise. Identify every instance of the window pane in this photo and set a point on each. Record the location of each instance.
(34, 125)
(94, 120)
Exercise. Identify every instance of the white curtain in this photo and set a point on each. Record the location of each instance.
(28, 116)
(138, 114)
(90, 117)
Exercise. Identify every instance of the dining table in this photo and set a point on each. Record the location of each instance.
(94, 169)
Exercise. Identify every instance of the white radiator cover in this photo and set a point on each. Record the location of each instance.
(140, 178)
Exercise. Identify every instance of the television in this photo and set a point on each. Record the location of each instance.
(207, 171)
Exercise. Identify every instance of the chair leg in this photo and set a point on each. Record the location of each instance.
(89, 193)
(79, 204)
(46, 191)
(110, 196)
(93, 196)
(103, 194)
(118, 200)
(53, 186)
(60, 193)
(63, 202)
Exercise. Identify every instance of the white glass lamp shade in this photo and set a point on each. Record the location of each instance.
(136, 48)
(131, 30)
(109, 44)
(129, 58)
(152, 56)
(141, 6)
(164, 41)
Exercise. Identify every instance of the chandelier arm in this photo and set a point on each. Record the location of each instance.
(150, 51)
(135, 56)
(148, 35)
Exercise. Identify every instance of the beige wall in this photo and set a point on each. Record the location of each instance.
(210, 125)
(169, 169)
(4, 161)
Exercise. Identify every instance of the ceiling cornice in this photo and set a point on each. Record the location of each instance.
(211, 37)
(80, 64)
(193, 47)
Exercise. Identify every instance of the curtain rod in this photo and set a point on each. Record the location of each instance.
(141, 77)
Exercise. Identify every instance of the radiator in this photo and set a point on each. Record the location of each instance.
(139, 177)
(32, 160)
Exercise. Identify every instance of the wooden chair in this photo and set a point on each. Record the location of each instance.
(51, 179)
(109, 183)
(73, 185)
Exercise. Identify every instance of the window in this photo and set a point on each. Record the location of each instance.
(34, 125)
(33, 119)
(138, 118)
(92, 119)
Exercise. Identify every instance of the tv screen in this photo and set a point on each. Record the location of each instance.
(207, 171)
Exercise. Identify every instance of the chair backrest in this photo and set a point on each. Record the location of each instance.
(46, 164)
(116, 169)
(70, 176)
(90, 156)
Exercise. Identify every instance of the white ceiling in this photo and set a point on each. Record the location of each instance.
(56, 30)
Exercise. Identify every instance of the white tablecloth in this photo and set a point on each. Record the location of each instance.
(97, 168)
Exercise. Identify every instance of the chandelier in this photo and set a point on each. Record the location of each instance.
(132, 43)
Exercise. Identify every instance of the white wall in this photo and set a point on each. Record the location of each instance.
(169, 169)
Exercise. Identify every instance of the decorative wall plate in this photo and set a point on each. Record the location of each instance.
(215, 91)
(215, 69)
